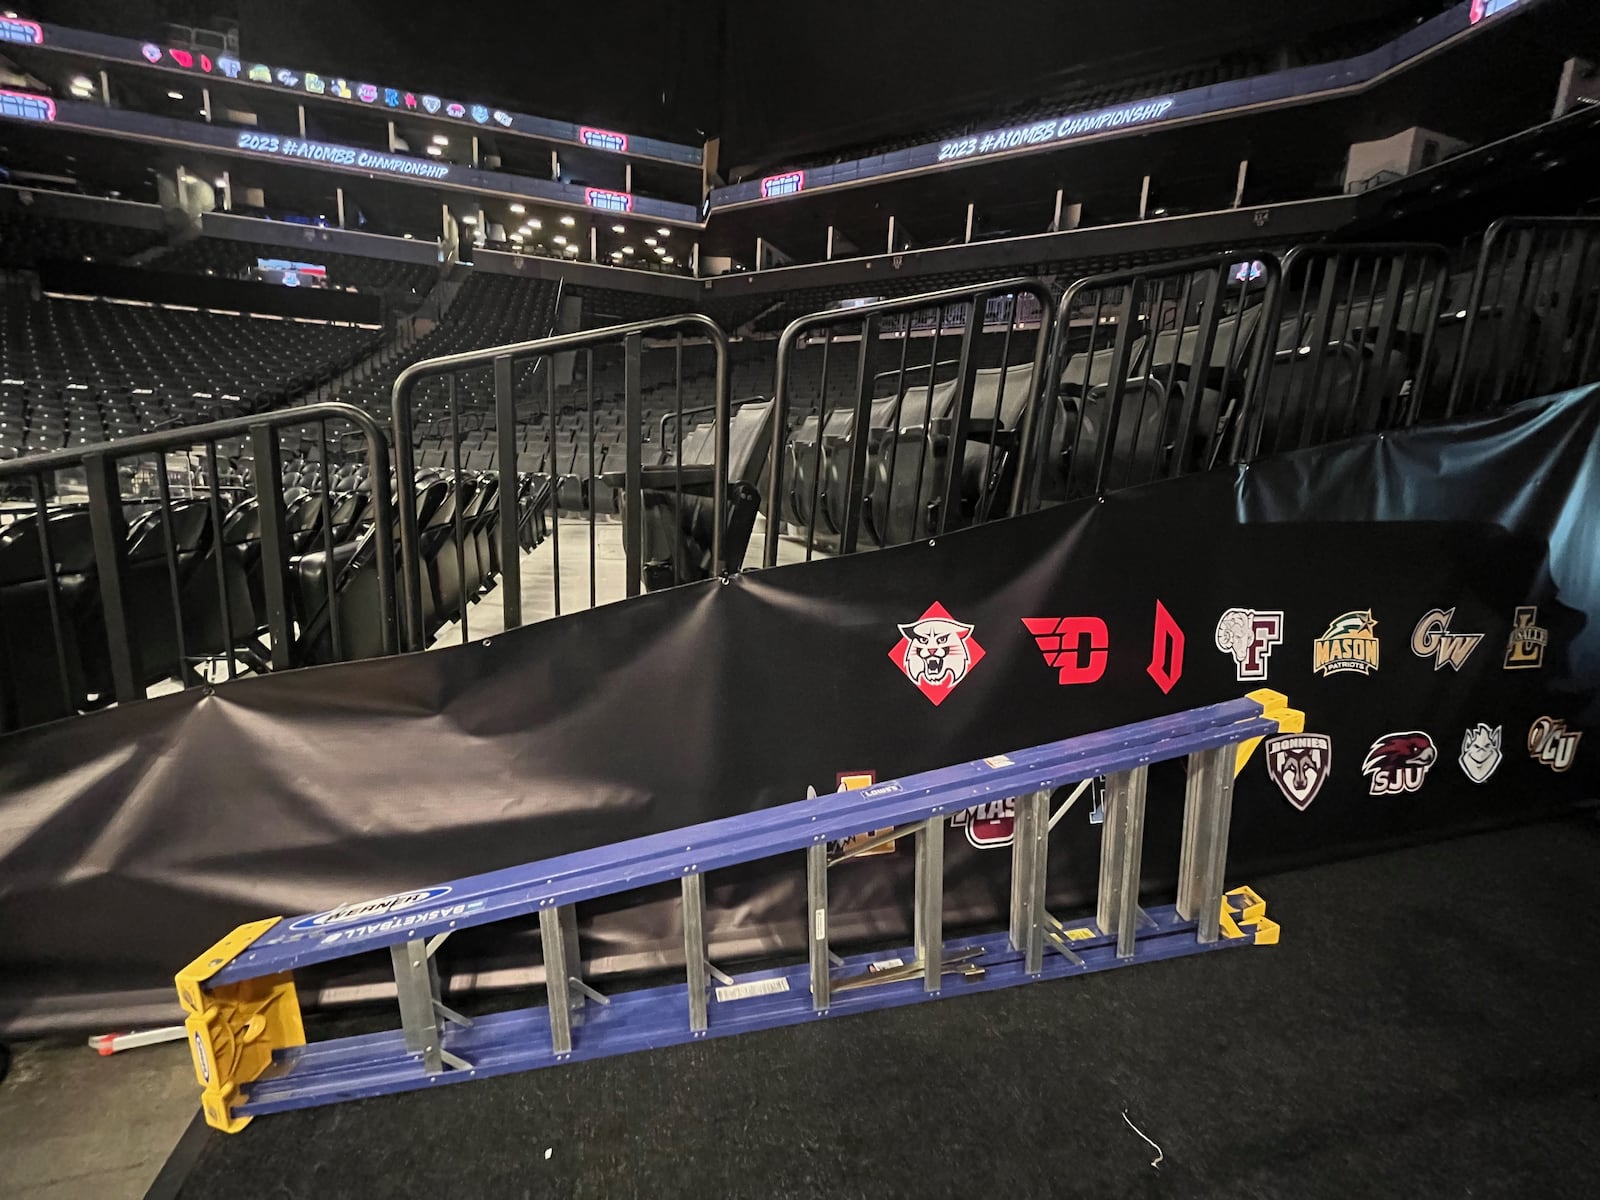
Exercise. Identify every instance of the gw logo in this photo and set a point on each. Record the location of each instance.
(1432, 639)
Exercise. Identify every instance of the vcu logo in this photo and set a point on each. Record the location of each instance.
(1552, 743)
(1432, 639)
(1525, 646)
(1351, 644)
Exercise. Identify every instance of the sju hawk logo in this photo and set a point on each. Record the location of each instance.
(1399, 762)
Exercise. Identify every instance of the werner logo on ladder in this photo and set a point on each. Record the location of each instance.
(244, 1015)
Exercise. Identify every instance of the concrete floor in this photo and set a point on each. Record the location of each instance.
(76, 1126)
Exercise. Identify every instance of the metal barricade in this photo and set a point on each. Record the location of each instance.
(1352, 344)
(939, 441)
(166, 566)
(1151, 369)
(1531, 324)
(579, 449)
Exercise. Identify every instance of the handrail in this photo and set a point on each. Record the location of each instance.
(868, 314)
(504, 359)
(99, 462)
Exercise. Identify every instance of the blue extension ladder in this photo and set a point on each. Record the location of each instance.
(248, 1041)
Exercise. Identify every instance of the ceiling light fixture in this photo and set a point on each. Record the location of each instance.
(649, 241)
(174, 95)
(560, 239)
(627, 249)
(664, 231)
(619, 229)
(569, 220)
(518, 209)
(435, 151)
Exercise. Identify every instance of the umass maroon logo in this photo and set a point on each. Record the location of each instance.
(988, 826)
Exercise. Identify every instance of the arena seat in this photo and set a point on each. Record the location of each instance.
(679, 527)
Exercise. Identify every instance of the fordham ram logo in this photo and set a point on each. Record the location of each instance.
(382, 906)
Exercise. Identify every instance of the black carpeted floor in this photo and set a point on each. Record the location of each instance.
(1426, 1028)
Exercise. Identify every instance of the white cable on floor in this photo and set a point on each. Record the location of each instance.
(1156, 1161)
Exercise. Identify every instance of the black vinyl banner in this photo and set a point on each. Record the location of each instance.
(1428, 598)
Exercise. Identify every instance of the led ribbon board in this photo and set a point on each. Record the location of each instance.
(1299, 83)
(333, 87)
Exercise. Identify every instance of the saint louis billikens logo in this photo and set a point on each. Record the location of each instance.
(936, 652)
(1249, 636)
(1299, 763)
(1480, 751)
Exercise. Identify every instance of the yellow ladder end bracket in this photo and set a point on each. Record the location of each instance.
(234, 1029)
(1274, 707)
(1244, 914)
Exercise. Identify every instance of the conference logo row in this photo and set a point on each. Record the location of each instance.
(936, 652)
(1300, 763)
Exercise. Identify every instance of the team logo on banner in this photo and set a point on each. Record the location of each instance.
(1077, 647)
(1552, 743)
(936, 652)
(854, 781)
(1399, 762)
(1480, 752)
(1166, 651)
(1249, 636)
(1299, 763)
(1349, 645)
(1525, 646)
(988, 826)
(1432, 639)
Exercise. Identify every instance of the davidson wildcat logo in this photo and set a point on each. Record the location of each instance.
(936, 652)
(1299, 763)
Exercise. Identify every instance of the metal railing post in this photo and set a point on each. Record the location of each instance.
(505, 419)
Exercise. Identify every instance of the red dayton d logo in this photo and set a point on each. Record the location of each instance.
(1079, 647)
